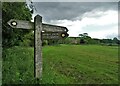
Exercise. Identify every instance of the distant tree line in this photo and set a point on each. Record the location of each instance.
(82, 40)
(85, 39)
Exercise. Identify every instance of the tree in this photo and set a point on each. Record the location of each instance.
(84, 38)
(115, 40)
(84, 35)
(14, 10)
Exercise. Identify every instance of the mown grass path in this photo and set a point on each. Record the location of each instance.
(84, 64)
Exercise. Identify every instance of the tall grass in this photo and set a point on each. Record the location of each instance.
(18, 65)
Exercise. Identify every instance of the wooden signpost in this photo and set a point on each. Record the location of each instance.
(42, 31)
(54, 35)
(30, 25)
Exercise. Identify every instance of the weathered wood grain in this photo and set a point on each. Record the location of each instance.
(30, 25)
(38, 46)
(21, 24)
(53, 35)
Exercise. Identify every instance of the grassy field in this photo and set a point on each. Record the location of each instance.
(63, 64)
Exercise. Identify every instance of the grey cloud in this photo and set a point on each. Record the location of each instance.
(70, 10)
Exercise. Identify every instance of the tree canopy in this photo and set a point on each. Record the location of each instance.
(14, 10)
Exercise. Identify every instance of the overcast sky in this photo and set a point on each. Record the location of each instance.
(98, 19)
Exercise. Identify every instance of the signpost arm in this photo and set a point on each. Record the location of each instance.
(38, 47)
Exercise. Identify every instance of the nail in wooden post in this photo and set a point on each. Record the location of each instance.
(38, 47)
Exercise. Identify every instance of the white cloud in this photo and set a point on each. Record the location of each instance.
(107, 23)
(104, 33)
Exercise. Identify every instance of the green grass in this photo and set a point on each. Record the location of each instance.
(63, 64)
(18, 65)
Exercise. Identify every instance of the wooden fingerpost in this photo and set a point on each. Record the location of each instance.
(50, 32)
(38, 47)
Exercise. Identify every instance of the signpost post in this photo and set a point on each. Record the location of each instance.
(38, 46)
(49, 32)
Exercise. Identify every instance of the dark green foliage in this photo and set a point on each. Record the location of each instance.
(106, 41)
(13, 10)
(28, 39)
(44, 42)
(52, 42)
(82, 41)
(116, 40)
(18, 65)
